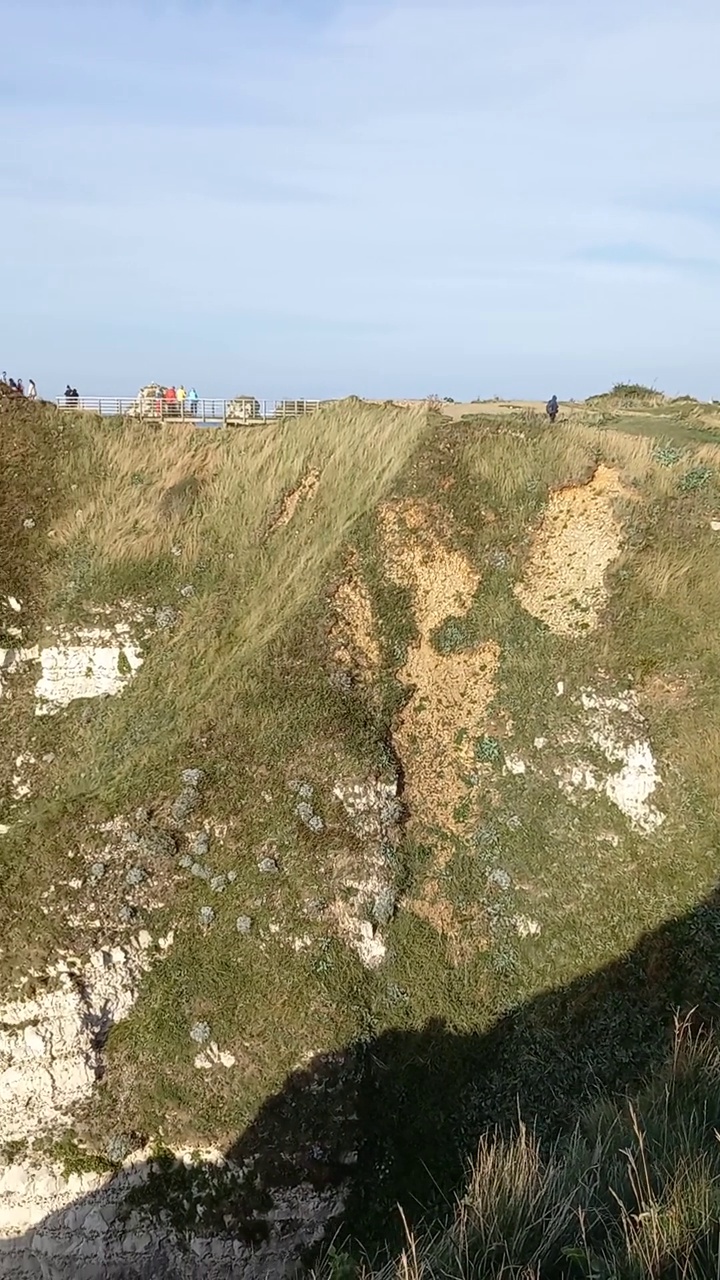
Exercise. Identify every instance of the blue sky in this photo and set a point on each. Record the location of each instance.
(386, 197)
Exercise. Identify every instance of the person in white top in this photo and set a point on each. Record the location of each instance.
(32, 390)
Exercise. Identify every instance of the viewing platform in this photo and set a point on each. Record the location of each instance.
(240, 411)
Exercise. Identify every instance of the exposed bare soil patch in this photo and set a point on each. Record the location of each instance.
(354, 632)
(451, 693)
(306, 489)
(578, 537)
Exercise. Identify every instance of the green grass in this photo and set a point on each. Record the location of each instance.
(631, 1192)
(73, 1158)
(666, 425)
(441, 1044)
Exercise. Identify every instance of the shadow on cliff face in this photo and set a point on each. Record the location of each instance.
(396, 1120)
(423, 1099)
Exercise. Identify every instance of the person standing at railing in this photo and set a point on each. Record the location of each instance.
(181, 397)
(171, 401)
(193, 399)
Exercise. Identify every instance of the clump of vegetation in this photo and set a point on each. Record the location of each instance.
(667, 455)
(634, 391)
(487, 750)
(697, 477)
(75, 1158)
(41, 447)
(455, 634)
(628, 395)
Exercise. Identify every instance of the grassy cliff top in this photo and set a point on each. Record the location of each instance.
(452, 685)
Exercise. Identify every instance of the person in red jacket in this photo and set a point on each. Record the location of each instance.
(171, 403)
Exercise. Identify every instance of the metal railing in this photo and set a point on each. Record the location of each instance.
(242, 410)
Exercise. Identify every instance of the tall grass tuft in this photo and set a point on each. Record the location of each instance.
(633, 1193)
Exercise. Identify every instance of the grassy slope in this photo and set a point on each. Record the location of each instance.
(631, 1192)
(593, 901)
(241, 688)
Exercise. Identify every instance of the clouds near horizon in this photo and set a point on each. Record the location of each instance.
(319, 198)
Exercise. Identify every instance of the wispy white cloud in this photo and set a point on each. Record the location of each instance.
(450, 195)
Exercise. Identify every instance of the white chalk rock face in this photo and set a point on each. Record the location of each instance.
(614, 727)
(95, 662)
(49, 1054)
(83, 662)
